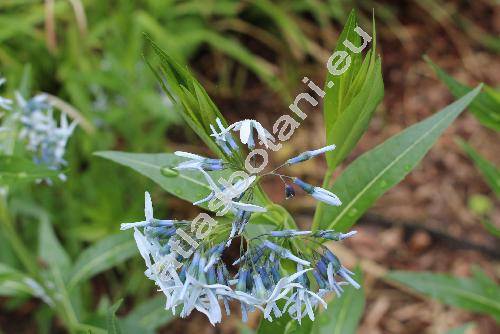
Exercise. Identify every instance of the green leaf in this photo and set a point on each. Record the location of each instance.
(50, 250)
(149, 316)
(101, 256)
(379, 169)
(343, 314)
(190, 186)
(111, 320)
(485, 107)
(490, 173)
(284, 324)
(197, 109)
(14, 282)
(351, 102)
(16, 169)
(478, 294)
(333, 99)
(462, 329)
(492, 229)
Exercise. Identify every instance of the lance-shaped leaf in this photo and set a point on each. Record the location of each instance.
(379, 169)
(112, 323)
(148, 316)
(50, 250)
(479, 293)
(188, 185)
(343, 313)
(196, 107)
(490, 172)
(486, 107)
(351, 97)
(16, 169)
(15, 283)
(101, 256)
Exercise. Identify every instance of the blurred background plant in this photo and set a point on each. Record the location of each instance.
(250, 56)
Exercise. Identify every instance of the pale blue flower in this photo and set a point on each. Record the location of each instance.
(246, 127)
(46, 138)
(198, 162)
(288, 233)
(224, 139)
(229, 197)
(318, 193)
(309, 154)
(284, 253)
(303, 301)
(148, 213)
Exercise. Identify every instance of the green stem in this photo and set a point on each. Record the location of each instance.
(16, 243)
(65, 309)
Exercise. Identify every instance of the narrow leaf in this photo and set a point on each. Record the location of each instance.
(379, 169)
(101, 256)
(111, 321)
(16, 169)
(485, 107)
(190, 186)
(351, 97)
(13, 282)
(150, 315)
(490, 173)
(49, 248)
(477, 294)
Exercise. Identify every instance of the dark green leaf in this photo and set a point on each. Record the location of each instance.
(181, 86)
(376, 171)
(490, 172)
(354, 96)
(485, 107)
(333, 99)
(478, 294)
(492, 229)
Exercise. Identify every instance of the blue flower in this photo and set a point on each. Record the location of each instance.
(148, 213)
(198, 162)
(303, 301)
(246, 127)
(284, 253)
(309, 154)
(318, 193)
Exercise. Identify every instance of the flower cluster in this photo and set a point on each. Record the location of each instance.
(199, 278)
(46, 139)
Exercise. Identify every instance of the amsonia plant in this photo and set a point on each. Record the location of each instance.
(282, 271)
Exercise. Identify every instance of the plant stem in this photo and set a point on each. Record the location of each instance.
(17, 245)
